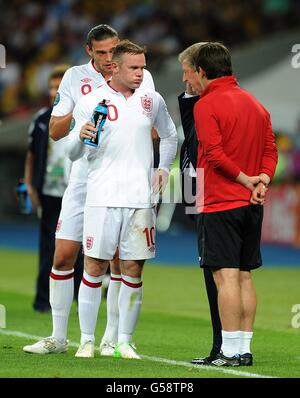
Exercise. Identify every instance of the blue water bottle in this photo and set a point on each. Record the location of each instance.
(24, 202)
(98, 119)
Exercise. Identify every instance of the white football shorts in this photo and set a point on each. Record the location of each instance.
(70, 220)
(131, 230)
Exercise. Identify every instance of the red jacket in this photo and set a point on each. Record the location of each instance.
(235, 134)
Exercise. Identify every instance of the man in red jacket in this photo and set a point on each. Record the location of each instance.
(237, 158)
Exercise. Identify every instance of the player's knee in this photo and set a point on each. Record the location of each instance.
(95, 267)
(132, 268)
(65, 255)
(64, 260)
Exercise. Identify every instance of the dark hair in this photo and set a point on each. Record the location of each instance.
(58, 71)
(214, 59)
(127, 47)
(100, 32)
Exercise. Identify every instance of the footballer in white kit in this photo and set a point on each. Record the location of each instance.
(77, 82)
(119, 207)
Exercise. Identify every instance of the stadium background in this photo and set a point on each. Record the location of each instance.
(261, 35)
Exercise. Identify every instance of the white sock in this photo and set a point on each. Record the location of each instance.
(245, 341)
(130, 301)
(111, 331)
(89, 298)
(230, 343)
(61, 298)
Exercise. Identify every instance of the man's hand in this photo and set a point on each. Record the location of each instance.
(258, 196)
(265, 179)
(87, 131)
(33, 196)
(248, 182)
(159, 181)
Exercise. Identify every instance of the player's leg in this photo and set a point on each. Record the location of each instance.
(250, 259)
(61, 297)
(101, 231)
(229, 303)
(62, 285)
(67, 245)
(248, 296)
(137, 243)
(130, 302)
(89, 299)
(110, 337)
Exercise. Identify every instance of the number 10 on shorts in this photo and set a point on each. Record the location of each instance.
(150, 236)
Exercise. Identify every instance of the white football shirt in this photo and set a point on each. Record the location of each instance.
(77, 82)
(120, 168)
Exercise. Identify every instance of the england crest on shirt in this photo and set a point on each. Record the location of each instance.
(147, 103)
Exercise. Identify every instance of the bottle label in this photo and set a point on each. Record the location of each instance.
(98, 119)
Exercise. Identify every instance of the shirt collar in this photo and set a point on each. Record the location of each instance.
(118, 92)
(93, 69)
(224, 81)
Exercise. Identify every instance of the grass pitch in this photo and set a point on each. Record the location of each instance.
(173, 328)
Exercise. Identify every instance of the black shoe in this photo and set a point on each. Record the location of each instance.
(221, 360)
(246, 359)
(203, 361)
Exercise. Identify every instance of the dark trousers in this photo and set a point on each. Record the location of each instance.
(50, 211)
(212, 295)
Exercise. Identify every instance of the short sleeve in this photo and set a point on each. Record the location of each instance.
(64, 103)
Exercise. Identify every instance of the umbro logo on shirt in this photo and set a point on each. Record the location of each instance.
(86, 80)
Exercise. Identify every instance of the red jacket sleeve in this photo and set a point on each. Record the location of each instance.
(210, 137)
(270, 155)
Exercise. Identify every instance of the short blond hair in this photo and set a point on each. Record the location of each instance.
(188, 54)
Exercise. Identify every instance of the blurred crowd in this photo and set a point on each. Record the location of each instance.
(38, 34)
(288, 167)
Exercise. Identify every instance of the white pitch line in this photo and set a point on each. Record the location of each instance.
(209, 368)
(154, 359)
